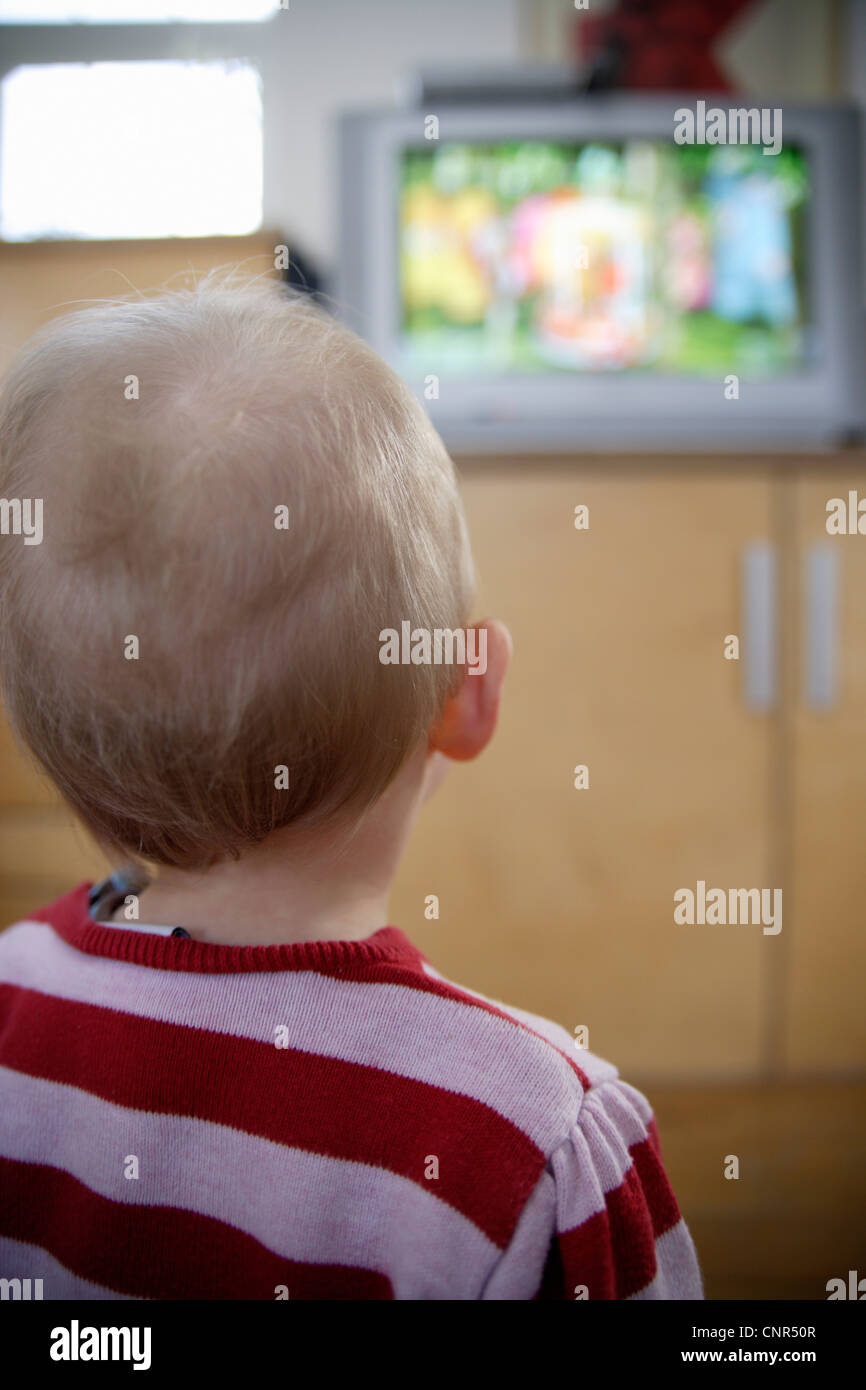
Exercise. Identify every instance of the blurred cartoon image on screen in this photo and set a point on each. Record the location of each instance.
(535, 256)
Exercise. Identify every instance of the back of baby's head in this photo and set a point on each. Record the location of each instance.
(237, 496)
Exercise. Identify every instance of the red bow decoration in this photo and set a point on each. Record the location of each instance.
(660, 44)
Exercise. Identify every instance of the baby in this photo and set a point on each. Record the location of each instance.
(240, 651)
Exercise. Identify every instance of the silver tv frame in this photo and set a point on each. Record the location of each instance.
(817, 406)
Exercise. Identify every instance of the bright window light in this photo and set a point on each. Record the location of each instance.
(155, 149)
(136, 11)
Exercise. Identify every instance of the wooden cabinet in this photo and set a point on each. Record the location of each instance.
(825, 1016)
(562, 900)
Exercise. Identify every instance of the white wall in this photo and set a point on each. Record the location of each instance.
(338, 54)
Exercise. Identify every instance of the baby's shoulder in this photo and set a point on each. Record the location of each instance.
(520, 1063)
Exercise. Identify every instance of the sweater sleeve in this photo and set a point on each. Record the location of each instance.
(602, 1223)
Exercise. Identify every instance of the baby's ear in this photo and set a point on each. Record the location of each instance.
(469, 719)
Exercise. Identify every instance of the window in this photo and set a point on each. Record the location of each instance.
(135, 11)
(131, 149)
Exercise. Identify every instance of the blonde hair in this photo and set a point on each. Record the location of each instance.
(258, 646)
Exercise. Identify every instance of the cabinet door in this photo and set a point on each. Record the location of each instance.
(825, 1019)
(561, 900)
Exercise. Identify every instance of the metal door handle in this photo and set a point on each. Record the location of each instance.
(760, 636)
(821, 636)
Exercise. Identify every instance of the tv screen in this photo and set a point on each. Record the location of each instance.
(631, 255)
(561, 275)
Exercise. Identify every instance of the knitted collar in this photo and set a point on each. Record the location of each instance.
(70, 918)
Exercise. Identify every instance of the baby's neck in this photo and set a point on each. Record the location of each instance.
(295, 886)
(327, 884)
(242, 913)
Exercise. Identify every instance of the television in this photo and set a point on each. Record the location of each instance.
(598, 273)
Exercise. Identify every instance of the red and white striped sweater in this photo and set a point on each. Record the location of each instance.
(331, 1119)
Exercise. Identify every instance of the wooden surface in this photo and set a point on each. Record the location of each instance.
(825, 1018)
(561, 900)
(796, 1216)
